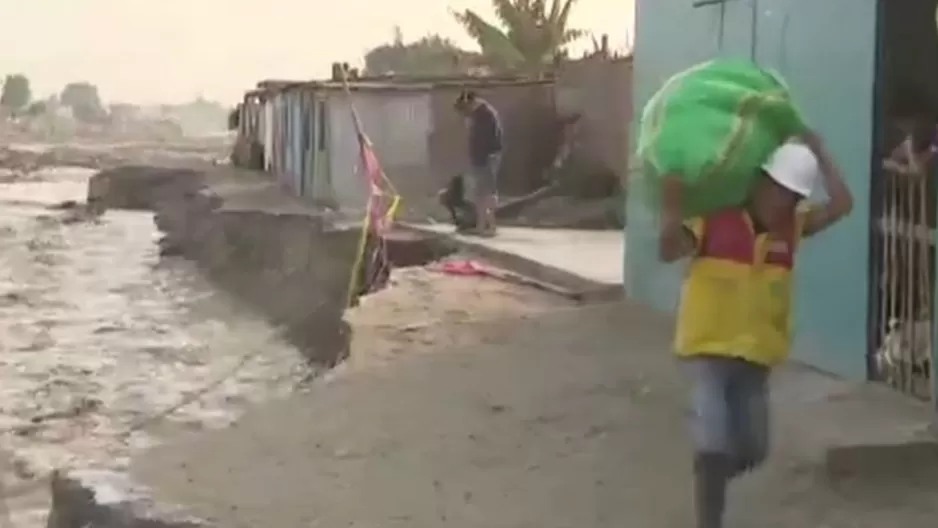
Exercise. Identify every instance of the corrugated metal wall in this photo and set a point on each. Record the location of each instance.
(279, 131)
(287, 127)
(321, 189)
(267, 133)
(831, 73)
(397, 122)
(349, 185)
(599, 90)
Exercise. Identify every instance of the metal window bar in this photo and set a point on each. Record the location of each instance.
(903, 359)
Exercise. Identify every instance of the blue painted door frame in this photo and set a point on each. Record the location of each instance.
(832, 78)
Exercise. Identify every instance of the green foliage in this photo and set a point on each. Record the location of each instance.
(16, 93)
(37, 108)
(200, 116)
(431, 55)
(201, 105)
(84, 101)
(531, 33)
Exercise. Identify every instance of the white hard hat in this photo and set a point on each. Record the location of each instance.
(794, 167)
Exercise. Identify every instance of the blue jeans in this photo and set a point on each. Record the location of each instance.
(729, 427)
(485, 178)
(729, 407)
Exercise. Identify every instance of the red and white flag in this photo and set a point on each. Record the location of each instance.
(380, 198)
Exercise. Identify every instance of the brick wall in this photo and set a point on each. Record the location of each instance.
(599, 89)
(527, 114)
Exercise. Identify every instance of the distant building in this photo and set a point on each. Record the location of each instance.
(307, 133)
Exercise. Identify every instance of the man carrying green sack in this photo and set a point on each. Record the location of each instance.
(734, 320)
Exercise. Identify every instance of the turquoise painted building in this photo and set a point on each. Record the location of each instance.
(826, 50)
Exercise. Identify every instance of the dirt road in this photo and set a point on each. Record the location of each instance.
(567, 418)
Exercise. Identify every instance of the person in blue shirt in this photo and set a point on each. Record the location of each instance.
(485, 153)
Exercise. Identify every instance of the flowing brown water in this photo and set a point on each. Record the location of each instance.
(98, 333)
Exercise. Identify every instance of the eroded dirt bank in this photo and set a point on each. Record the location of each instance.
(292, 265)
(284, 259)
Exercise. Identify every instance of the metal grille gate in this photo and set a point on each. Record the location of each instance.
(905, 233)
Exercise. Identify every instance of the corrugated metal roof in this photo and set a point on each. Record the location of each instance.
(274, 85)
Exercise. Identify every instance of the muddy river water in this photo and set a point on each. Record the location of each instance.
(99, 336)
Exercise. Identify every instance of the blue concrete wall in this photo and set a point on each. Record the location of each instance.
(831, 73)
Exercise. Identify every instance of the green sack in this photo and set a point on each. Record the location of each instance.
(713, 126)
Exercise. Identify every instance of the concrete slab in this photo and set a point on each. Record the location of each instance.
(872, 429)
(570, 418)
(589, 263)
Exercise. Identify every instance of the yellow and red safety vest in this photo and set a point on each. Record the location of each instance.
(737, 296)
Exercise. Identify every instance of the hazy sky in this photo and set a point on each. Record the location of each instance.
(170, 50)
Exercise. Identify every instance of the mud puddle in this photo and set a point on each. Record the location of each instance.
(98, 335)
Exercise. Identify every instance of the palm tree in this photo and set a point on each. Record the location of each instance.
(534, 33)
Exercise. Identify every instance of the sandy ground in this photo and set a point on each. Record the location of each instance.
(469, 403)
(425, 311)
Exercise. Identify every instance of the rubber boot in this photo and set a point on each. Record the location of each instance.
(712, 474)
